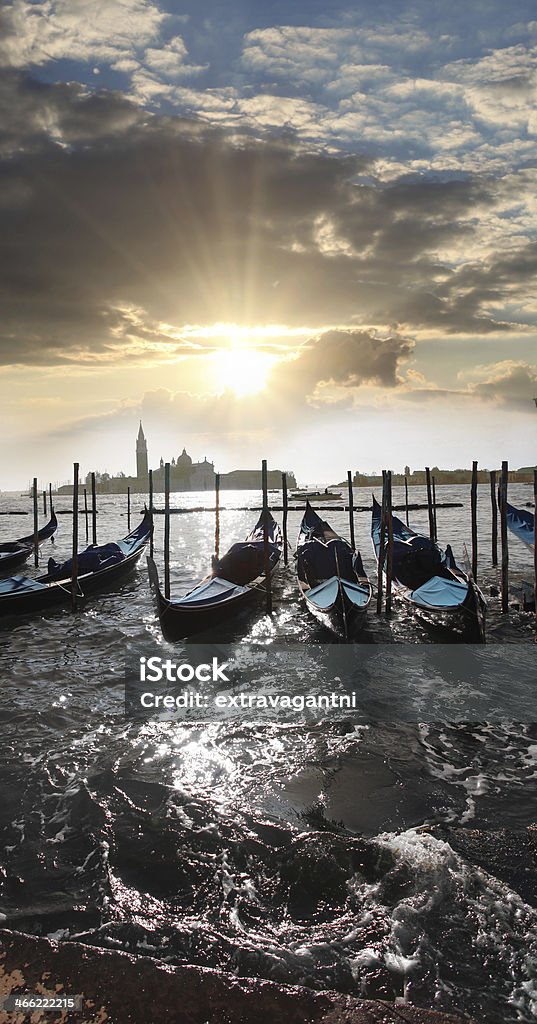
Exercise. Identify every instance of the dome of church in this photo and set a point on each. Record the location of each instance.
(184, 459)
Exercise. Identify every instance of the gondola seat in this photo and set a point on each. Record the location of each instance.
(93, 559)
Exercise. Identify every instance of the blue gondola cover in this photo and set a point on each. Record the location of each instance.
(211, 592)
(522, 523)
(440, 593)
(325, 594)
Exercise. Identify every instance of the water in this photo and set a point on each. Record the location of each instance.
(378, 858)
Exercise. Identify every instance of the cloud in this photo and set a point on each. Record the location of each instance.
(348, 358)
(34, 34)
(107, 209)
(501, 87)
(510, 382)
(416, 89)
(35, 116)
(314, 55)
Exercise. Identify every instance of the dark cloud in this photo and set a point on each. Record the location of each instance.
(347, 358)
(36, 115)
(512, 383)
(104, 207)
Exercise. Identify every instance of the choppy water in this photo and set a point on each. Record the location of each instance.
(362, 857)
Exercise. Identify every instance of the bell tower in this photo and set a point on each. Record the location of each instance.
(142, 468)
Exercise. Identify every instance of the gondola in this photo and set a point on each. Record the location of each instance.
(521, 523)
(235, 582)
(331, 577)
(100, 566)
(439, 592)
(16, 552)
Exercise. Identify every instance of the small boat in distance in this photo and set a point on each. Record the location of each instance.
(439, 592)
(521, 522)
(16, 552)
(235, 582)
(325, 495)
(331, 577)
(100, 566)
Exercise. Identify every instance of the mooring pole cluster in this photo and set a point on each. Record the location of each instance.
(498, 499)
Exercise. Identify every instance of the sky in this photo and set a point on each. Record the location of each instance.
(294, 231)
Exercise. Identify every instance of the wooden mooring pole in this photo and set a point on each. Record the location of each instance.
(266, 552)
(44, 503)
(535, 539)
(216, 515)
(433, 484)
(167, 530)
(406, 500)
(389, 545)
(74, 561)
(503, 537)
(429, 502)
(86, 517)
(380, 566)
(494, 510)
(129, 509)
(50, 498)
(36, 523)
(351, 509)
(93, 510)
(473, 506)
(284, 520)
(150, 488)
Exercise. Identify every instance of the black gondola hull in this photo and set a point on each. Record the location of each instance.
(465, 620)
(179, 622)
(57, 593)
(184, 617)
(16, 553)
(344, 619)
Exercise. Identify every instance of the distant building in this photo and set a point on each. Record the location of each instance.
(250, 480)
(142, 469)
(185, 475)
(440, 476)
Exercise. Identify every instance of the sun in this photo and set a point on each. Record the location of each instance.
(243, 371)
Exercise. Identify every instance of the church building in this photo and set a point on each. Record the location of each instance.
(186, 475)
